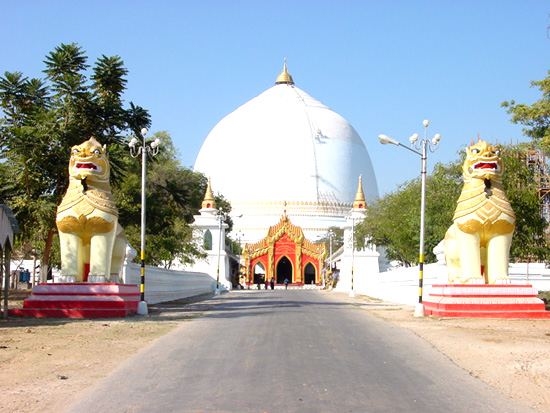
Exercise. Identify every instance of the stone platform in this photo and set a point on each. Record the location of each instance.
(485, 301)
(80, 300)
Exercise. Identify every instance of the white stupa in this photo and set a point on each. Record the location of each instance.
(284, 150)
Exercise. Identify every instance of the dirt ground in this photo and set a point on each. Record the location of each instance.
(46, 364)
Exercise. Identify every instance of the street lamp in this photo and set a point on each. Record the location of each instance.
(221, 219)
(416, 146)
(330, 236)
(239, 235)
(135, 151)
(352, 292)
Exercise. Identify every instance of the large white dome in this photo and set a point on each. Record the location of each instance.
(285, 150)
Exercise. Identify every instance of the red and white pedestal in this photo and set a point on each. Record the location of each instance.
(485, 301)
(80, 300)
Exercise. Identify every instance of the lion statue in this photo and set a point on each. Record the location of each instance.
(477, 245)
(92, 242)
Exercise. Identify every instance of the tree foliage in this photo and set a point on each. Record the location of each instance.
(535, 118)
(334, 235)
(393, 221)
(44, 118)
(173, 195)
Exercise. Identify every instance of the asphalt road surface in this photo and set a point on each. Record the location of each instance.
(291, 351)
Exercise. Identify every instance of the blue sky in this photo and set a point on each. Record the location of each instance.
(384, 66)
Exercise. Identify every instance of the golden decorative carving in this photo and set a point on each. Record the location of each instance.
(84, 227)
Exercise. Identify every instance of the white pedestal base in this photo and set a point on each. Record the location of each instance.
(419, 310)
(142, 308)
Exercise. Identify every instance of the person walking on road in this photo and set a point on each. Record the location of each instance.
(272, 282)
(286, 283)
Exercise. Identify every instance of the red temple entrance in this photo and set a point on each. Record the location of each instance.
(285, 254)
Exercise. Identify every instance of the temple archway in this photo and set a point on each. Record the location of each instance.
(259, 273)
(284, 270)
(309, 274)
(285, 254)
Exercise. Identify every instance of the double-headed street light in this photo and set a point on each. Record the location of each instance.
(416, 146)
(135, 151)
(239, 236)
(352, 291)
(221, 219)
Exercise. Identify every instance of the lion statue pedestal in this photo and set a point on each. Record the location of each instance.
(477, 248)
(93, 247)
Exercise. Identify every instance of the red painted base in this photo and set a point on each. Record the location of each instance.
(80, 300)
(485, 301)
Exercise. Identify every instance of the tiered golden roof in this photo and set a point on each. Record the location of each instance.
(294, 232)
(359, 196)
(209, 201)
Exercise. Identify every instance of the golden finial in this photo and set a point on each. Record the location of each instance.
(284, 78)
(359, 196)
(209, 201)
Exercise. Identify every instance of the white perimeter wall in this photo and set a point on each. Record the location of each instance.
(167, 285)
(401, 285)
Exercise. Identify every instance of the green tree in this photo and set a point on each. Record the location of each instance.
(535, 118)
(174, 194)
(337, 236)
(44, 119)
(393, 221)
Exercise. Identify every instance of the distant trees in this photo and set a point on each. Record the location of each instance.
(393, 221)
(334, 235)
(174, 194)
(535, 118)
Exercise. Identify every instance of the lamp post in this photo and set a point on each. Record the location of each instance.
(417, 146)
(221, 218)
(352, 291)
(330, 236)
(239, 235)
(135, 151)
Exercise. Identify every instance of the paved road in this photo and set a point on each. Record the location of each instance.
(291, 351)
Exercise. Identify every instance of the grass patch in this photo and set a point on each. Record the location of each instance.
(545, 296)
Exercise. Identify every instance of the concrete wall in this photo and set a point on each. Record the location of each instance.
(163, 285)
(401, 285)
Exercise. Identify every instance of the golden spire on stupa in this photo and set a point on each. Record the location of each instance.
(284, 78)
(209, 201)
(359, 196)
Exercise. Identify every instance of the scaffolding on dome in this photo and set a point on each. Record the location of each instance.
(536, 160)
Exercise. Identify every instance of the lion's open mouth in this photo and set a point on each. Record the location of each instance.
(486, 165)
(86, 165)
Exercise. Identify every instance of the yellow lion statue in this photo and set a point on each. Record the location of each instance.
(87, 219)
(477, 246)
